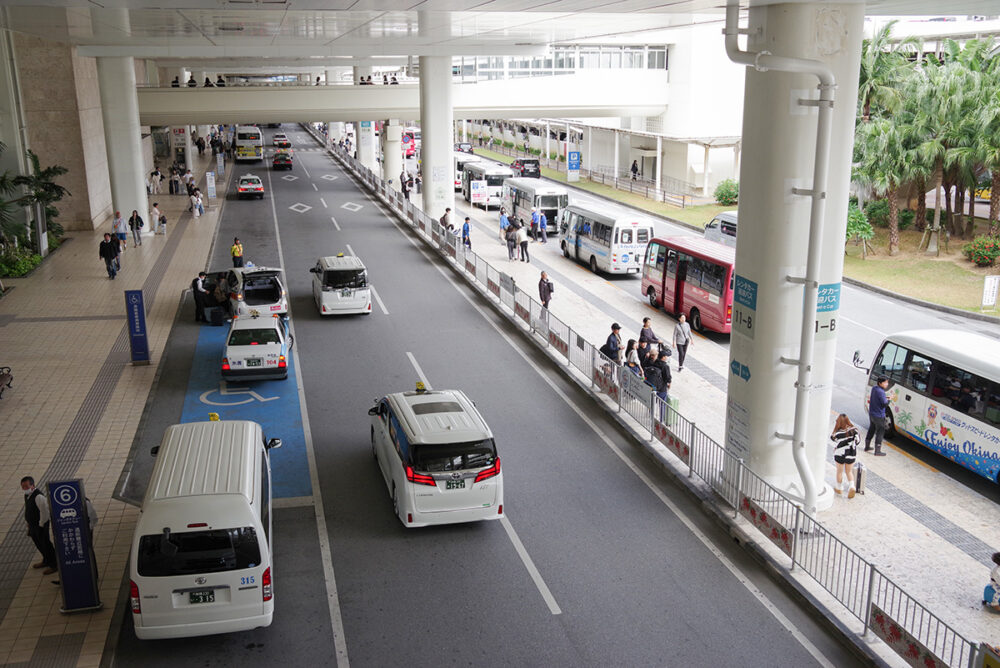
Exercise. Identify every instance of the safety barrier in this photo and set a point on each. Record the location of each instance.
(883, 607)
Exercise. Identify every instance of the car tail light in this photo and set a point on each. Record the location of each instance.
(225, 364)
(265, 581)
(239, 296)
(281, 362)
(419, 478)
(369, 306)
(197, 525)
(324, 308)
(409, 518)
(500, 509)
(729, 313)
(491, 472)
(133, 595)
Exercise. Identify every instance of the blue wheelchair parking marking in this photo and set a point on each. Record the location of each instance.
(272, 403)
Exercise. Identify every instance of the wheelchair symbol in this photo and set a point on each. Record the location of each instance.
(225, 391)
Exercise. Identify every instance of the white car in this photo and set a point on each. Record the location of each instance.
(250, 186)
(437, 458)
(257, 348)
(279, 138)
(256, 291)
(340, 285)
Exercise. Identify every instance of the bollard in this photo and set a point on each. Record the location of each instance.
(739, 488)
(868, 602)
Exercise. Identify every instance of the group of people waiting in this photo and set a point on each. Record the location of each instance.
(191, 83)
(367, 81)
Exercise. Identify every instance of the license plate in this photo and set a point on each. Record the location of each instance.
(253, 362)
(346, 292)
(207, 596)
(454, 484)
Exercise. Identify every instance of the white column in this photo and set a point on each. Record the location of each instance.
(589, 158)
(736, 160)
(152, 73)
(361, 71)
(614, 144)
(182, 76)
(392, 152)
(436, 114)
(465, 130)
(657, 162)
(780, 136)
(365, 139)
(331, 77)
(548, 151)
(120, 111)
(704, 173)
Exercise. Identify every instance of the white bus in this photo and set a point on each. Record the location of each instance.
(521, 194)
(944, 393)
(605, 239)
(249, 143)
(493, 174)
(461, 160)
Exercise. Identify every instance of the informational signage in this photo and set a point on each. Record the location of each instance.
(210, 184)
(990, 288)
(573, 166)
(737, 428)
(74, 546)
(827, 308)
(220, 164)
(135, 312)
(744, 306)
(478, 191)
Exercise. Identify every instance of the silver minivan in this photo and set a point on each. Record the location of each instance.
(722, 229)
(201, 553)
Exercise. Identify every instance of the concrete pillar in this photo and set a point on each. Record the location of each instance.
(704, 173)
(780, 136)
(392, 152)
(362, 71)
(331, 77)
(588, 159)
(465, 130)
(614, 143)
(436, 112)
(365, 139)
(736, 160)
(656, 163)
(152, 73)
(120, 112)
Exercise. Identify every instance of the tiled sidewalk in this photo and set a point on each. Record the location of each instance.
(74, 410)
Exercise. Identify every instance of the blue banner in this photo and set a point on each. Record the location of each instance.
(74, 545)
(573, 160)
(828, 298)
(135, 311)
(745, 292)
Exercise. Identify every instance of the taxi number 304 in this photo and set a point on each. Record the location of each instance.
(455, 484)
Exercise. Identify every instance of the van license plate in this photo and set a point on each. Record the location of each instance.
(454, 484)
(253, 362)
(207, 596)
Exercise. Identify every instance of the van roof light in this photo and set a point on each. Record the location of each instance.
(421, 387)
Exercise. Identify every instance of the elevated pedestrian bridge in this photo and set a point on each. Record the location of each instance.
(595, 93)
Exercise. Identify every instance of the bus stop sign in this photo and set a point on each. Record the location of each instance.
(74, 546)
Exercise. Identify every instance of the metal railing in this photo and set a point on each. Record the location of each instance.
(883, 607)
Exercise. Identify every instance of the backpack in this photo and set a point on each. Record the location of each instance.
(654, 377)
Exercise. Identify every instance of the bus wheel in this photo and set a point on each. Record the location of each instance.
(890, 425)
(564, 249)
(593, 264)
(695, 318)
(651, 293)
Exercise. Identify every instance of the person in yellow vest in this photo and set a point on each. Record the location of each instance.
(237, 251)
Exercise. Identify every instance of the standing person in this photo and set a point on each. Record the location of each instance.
(545, 290)
(658, 375)
(154, 218)
(155, 177)
(646, 333)
(466, 231)
(200, 296)
(109, 251)
(511, 239)
(504, 224)
(136, 224)
(543, 227)
(877, 403)
(845, 450)
(534, 223)
(120, 228)
(176, 83)
(446, 218)
(522, 241)
(682, 339)
(189, 182)
(199, 202)
(634, 169)
(612, 348)
(194, 204)
(991, 594)
(192, 83)
(175, 181)
(237, 252)
(36, 516)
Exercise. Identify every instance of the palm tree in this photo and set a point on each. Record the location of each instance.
(883, 165)
(882, 66)
(989, 138)
(41, 189)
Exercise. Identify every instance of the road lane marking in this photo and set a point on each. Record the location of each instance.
(336, 225)
(323, 202)
(378, 299)
(314, 187)
(420, 372)
(529, 564)
(861, 324)
(326, 554)
(306, 171)
(350, 250)
(680, 514)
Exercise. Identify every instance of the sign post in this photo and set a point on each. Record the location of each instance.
(990, 288)
(210, 184)
(74, 546)
(573, 166)
(479, 193)
(135, 311)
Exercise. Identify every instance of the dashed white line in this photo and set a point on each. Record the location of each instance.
(336, 225)
(350, 250)
(323, 202)
(379, 300)
(420, 372)
(314, 187)
(543, 588)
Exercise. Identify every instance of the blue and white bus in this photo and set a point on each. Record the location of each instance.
(944, 393)
(604, 239)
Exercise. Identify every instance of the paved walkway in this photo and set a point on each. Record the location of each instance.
(74, 411)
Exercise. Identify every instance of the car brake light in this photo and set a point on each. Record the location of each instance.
(225, 364)
(409, 518)
(197, 525)
(488, 473)
(265, 581)
(133, 595)
(500, 509)
(281, 362)
(419, 478)
(239, 296)
(729, 313)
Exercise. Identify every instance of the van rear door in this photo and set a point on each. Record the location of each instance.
(465, 476)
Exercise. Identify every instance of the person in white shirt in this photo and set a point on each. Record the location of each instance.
(154, 218)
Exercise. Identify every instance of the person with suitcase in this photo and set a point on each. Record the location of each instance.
(845, 437)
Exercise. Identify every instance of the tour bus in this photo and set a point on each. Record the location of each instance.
(603, 238)
(249, 143)
(944, 393)
(461, 160)
(493, 174)
(691, 276)
(521, 194)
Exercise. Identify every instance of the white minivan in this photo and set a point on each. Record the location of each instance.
(201, 553)
(722, 229)
(340, 285)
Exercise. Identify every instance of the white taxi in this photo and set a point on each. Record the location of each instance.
(340, 285)
(256, 290)
(257, 348)
(250, 185)
(279, 138)
(437, 458)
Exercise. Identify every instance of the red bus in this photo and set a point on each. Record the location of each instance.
(693, 276)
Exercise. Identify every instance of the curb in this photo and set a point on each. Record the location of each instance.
(984, 317)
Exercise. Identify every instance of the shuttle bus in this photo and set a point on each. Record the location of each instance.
(944, 393)
(461, 160)
(249, 143)
(605, 239)
(521, 194)
(493, 174)
(693, 276)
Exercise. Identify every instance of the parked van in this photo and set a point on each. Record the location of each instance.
(722, 229)
(201, 552)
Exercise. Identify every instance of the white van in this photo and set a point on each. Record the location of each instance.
(722, 229)
(201, 552)
(340, 285)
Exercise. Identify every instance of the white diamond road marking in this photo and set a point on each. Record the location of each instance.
(289, 177)
(329, 177)
(299, 207)
(351, 206)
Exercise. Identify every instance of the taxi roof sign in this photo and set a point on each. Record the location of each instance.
(421, 387)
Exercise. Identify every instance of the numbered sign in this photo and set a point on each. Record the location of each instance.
(74, 546)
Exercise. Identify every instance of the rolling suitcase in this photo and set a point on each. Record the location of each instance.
(860, 477)
(216, 317)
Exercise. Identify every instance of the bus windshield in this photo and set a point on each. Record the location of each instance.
(495, 180)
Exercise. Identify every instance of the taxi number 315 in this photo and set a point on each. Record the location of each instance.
(249, 579)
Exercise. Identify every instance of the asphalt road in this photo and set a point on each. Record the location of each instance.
(601, 560)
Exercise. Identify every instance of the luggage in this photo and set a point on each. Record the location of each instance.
(860, 477)
(216, 318)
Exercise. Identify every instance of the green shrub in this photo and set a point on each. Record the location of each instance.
(508, 144)
(858, 226)
(878, 212)
(906, 218)
(553, 155)
(982, 251)
(562, 158)
(727, 193)
(16, 262)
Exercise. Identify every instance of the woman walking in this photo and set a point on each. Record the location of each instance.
(135, 224)
(845, 450)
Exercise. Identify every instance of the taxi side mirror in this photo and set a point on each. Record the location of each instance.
(314, 270)
(155, 450)
(373, 410)
(274, 443)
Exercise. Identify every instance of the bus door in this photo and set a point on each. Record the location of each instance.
(582, 229)
(673, 281)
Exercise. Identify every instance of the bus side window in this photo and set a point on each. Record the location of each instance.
(651, 252)
(711, 277)
(661, 256)
(671, 263)
(918, 371)
(890, 362)
(625, 236)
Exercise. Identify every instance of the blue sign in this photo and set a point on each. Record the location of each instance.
(745, 292)
(573, 160)
(135, 311)
(740, 370)
(828, 298)
(74, 546)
